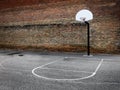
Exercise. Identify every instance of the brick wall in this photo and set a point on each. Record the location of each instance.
(53, 37)
(53, 27)
(16, 3)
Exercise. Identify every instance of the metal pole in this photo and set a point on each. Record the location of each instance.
(88, 38)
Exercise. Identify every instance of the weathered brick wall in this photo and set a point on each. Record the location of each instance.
(16, 3)
(53, 37)
(105, 34)
(53, 27)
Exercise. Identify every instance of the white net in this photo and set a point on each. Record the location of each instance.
(82, 19)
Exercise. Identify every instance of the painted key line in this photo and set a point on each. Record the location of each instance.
(82, 78)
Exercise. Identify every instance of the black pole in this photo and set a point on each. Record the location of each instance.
(88, 38)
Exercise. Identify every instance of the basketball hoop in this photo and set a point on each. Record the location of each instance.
(84, 16)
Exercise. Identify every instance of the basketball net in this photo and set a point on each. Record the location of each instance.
(82, 19)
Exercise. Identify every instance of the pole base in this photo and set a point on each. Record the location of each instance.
(88, 55)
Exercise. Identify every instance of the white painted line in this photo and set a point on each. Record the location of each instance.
(33, 71)
(40, 67)
(98, 66)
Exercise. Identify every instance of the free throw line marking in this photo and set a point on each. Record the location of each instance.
(40, 67)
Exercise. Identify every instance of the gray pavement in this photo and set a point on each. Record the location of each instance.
(28, 70)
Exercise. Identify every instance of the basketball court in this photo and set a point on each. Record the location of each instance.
(58, 71)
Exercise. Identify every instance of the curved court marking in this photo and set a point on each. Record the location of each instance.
(40, 67)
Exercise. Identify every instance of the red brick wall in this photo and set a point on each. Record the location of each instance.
(18, 26)
(16, 3)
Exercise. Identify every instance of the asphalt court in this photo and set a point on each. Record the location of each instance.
(68, 69)
(52, 71)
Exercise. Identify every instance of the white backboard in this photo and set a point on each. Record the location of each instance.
(84, 15)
